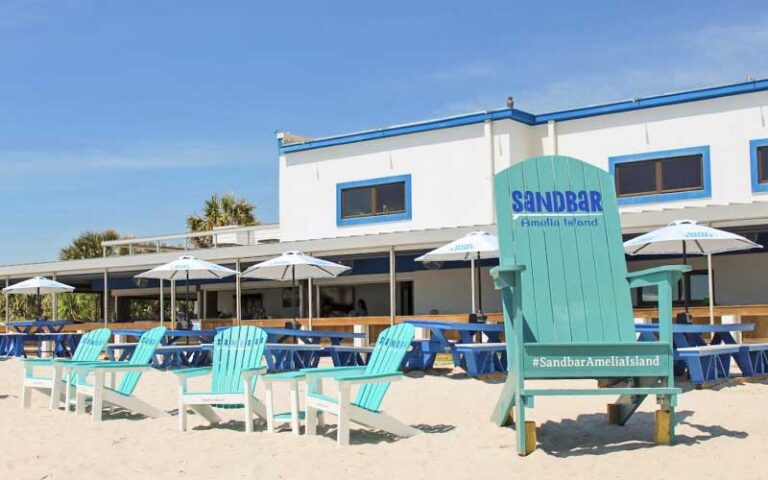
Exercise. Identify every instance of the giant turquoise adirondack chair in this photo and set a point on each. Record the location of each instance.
(122, 396)
(375, 378)
(88, 350)
(237, 358)
(566, 295)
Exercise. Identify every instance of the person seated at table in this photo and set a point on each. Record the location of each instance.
(361, 310)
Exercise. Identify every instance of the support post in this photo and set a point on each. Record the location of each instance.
(7, 305)
(392, 282)
(309, 300)
(173, 304)
(238, 294)
(162, 303)
(711, 291)
(55, 305)
(106, 297)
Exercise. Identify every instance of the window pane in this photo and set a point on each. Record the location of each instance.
(356, 202)
(390, 198)
(681, 172)
(634, 178)
(762, 160)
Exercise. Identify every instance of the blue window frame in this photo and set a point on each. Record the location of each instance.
(758, 153)
(649, 167)
(385, 199)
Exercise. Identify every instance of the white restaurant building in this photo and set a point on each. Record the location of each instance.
(377, 199)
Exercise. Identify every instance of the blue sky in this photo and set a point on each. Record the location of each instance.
(129, 114)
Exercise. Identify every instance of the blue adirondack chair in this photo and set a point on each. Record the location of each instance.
(566, 295)
(55, 382)
(237, 358)
(131, 371)
(375, 378)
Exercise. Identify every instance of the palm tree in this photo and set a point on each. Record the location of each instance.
(88, 245)
(221, 211)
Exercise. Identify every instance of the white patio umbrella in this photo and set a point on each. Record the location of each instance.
(294, 266)
(38, 286)
(188, 268)
(472, 246)
(687, 237)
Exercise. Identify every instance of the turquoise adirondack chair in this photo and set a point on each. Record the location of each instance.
(237, 358)
(88, 350)
(375, 378)
(131, 371)
(566, 295)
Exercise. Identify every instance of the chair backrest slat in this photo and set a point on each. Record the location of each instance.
(234, 350)
(387, 356)
(91, 345)
(559, 217)
(143, 354)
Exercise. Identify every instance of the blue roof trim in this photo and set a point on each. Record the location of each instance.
(530, 119)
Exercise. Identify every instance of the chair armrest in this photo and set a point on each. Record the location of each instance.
(251, 372)
(192, 372)
(655, 276)
(37, 361)
(120, 368)
(506, 276)
(380, 378)
(283, 377)
(331, 372)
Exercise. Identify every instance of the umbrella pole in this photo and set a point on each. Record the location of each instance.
(479, 286)
(293, 293)
(39, 305)
(711, 290)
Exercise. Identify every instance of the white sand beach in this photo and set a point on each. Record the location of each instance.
(722, 432)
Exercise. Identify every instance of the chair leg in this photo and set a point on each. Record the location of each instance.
(311, 420)
(525, 431)
(182, 417)
(26, 394)
(269, 404)
(56, 387)
(294, 393)
(342, 434)
(98, 398)
(248, 410)
(79, 403)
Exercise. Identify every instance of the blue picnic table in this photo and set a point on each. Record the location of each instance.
(711, 362)
(39, 331)
(280, 353)
(471, 352)
(172, 352)
(308, 349)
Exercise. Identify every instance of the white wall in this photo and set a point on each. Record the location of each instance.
(451, 168)
(450, 180)
(725, 124)
(449, 291)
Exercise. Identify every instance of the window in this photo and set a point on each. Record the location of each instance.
(762, 164)
(759, 154)
(661, 176)
(376, 200)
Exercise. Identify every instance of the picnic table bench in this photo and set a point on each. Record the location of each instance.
(710, 361)
(471, 352)
(308, 350)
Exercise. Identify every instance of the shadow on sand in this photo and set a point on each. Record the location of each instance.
(359, 436)
(590, 434)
